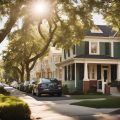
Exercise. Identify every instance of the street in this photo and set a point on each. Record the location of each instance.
(58, 108)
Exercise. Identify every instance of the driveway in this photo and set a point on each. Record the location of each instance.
(58, 108)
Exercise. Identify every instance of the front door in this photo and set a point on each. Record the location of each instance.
(105, 78)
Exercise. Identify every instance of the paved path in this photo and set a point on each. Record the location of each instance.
(58, 108)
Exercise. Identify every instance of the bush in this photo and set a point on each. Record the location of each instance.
(3, 91)
(65, 90)
(92, 92)
(12, 108)
(77, 92)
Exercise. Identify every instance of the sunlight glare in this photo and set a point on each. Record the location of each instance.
(41, 8)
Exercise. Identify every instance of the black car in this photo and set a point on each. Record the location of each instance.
(21, 86)
(47, 86)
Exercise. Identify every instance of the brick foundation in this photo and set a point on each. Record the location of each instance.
(118, 85)
(93, 85)
(107, 89)
(86, 86)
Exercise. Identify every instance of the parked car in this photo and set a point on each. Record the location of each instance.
(21, 86)
(14, 84)
(25, 86)
(47, 86)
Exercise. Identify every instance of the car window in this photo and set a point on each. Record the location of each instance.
(45, 80)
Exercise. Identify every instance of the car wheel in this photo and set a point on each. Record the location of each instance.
(59, 94)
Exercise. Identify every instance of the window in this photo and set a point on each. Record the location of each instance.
(94, 48)
(92, 72)
(73, 49)
(65, 73)
(68, 52)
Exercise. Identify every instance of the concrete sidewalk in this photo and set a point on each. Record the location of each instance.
(60, 109)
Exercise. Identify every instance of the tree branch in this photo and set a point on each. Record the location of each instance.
(47, 44)
(33, 64)
(39, 30)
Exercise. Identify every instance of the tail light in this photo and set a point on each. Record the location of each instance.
(40, 86)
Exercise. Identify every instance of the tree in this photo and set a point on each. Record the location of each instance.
(24, 43)
(109, 9)
(14, 68)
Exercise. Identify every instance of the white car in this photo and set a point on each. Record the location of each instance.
(14, 84)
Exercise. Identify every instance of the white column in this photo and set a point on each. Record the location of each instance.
(75, 77)
(112, 50)
(118, 72)
(85, 72)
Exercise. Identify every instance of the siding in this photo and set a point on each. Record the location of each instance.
(105, 48)
(117, 49)
(80, 76)
(70, 85)
(80, 49)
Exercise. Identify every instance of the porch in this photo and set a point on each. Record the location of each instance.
(87, 74)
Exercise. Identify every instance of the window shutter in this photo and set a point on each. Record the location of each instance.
(98, 72)
(86, 48)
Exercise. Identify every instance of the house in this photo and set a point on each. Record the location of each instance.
(95, 63)
(46, 67)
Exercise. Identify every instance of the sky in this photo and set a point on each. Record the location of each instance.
(96, 18)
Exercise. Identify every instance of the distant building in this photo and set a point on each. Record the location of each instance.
(46, 67)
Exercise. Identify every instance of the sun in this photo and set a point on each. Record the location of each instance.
(40, 8)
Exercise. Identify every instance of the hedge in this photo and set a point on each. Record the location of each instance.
(3, 91)
(12, 108)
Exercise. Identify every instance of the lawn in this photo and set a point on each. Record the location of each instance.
(109, 102)
(89, 96)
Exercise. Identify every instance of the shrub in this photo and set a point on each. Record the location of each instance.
(65, 89)
(3, 91)
(77, 92)
(12, 108)
(92, 92)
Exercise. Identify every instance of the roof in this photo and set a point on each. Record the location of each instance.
(95, 57)
(102, 31)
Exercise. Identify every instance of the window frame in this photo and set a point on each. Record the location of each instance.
(98, 48)
(91, 68)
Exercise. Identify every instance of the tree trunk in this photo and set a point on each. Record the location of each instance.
(22, 77)
(27, 75)
(27, 72)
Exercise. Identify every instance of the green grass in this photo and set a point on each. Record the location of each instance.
(109, 102)
(89, 96)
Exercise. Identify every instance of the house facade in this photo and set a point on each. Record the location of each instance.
(95, 63)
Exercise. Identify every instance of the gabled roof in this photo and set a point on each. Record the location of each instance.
(102, 31)
(95, 57)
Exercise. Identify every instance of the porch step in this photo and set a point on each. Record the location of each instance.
(114, 90)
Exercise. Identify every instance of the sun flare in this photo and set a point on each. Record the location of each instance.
(41, 8)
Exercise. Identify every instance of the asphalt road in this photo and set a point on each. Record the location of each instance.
(58, 108)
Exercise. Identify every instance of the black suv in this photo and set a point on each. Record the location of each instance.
(47, 86)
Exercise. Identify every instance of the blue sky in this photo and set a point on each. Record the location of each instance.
(97, 20)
